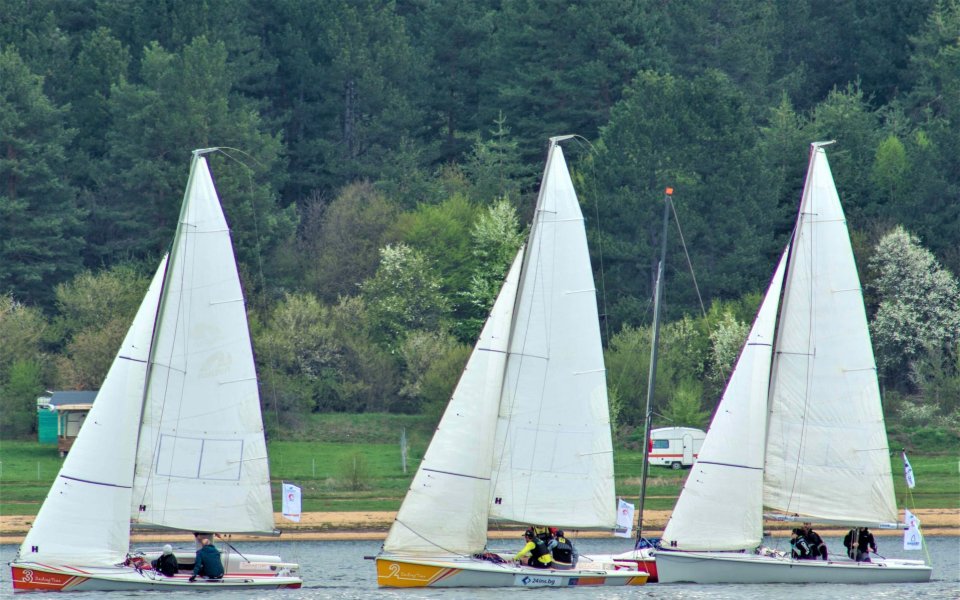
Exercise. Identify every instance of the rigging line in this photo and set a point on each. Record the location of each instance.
(256, 230)
(253, 209)
(432, 543)
(603, 282)
(676, 219)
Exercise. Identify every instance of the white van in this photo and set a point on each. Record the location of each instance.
(675, 447)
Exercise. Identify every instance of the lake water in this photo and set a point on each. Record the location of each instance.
(337, 571)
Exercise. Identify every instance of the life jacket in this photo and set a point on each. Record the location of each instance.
(563, 551)
(540, 550)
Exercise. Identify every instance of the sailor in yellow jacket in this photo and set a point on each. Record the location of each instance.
(537, 549)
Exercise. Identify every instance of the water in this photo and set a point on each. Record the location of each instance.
(337, 571)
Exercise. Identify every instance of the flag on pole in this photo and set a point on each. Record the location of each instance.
(625, 512)
(291, 502)
(908, 472)
(912, 538)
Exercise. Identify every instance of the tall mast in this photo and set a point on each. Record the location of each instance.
(651, 378)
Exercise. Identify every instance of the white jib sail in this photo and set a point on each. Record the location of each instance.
(202, 458)
(553, 459)
(84, 520)
(720, 505)
(827, 453)
(445, 510)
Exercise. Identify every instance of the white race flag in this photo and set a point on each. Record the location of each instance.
(291, 502)
(908, 472)
(912, 538)
(624, 520)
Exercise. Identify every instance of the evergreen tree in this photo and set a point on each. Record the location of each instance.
(40, 222)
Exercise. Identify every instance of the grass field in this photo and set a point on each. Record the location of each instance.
(356, 466)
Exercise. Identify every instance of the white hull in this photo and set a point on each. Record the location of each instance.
(33, 577)
(729, 567)
(395, 571)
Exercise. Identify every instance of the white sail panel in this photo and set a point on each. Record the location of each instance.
(97, 473)
(553, 461)
(827, 454)
(730, 463)
(445, 510)
(202, 458)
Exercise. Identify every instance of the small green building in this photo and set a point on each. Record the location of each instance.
(60, 415)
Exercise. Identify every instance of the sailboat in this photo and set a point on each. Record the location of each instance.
(175, 438)
(799, 428)
(525, 438)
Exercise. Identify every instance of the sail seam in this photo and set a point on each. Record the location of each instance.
(600, 370)
(212, 303)
(591, 290)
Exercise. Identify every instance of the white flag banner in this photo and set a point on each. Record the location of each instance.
(291, 502)
(908, 472)
(912, 538)
(624, 519)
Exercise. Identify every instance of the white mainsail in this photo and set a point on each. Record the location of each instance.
(97, 475)
(202, 458)
(445, 510)
(730, 463)
(553, 436)
(827, 456)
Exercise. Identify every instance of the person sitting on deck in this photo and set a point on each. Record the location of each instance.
(798, 544)
(208, 563)
(563, 552)
(166, 563)
(818, 549)
(859, 543)
(537, 549)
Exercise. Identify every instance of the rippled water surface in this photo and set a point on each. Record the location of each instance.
(337, 570)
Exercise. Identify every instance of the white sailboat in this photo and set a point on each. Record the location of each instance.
(526, 436)
(799, 428)
(175, 438)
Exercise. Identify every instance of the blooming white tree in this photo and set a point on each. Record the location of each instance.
(405, 294)
(919, 303)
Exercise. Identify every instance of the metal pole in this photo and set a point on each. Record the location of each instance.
(652, 376)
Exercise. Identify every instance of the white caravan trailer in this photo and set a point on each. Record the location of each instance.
(675, 447)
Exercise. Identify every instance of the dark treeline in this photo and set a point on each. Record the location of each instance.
(381, 158)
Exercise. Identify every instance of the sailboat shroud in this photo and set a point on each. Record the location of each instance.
(175, 437)
(800, 426)
(528, 421)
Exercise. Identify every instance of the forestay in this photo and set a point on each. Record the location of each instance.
(202, 459)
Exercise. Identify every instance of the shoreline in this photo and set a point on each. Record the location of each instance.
(345, 526)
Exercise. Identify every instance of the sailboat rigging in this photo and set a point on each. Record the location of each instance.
(175, 438)
(800, 422)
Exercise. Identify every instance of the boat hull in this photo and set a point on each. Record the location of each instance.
(33, 577)
(411, 572)
(637, 560)
(724, 567)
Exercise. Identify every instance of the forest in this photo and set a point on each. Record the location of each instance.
(380, 162)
